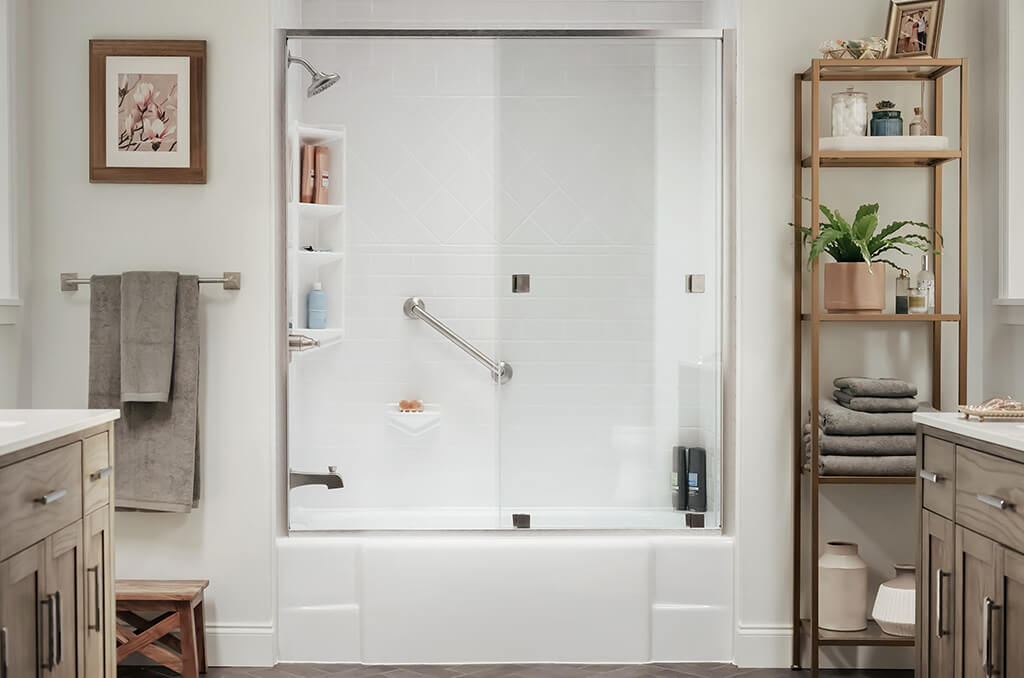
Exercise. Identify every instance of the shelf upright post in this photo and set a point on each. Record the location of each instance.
(937, 268)
(816, 287)
(798, 445)
(962, 376)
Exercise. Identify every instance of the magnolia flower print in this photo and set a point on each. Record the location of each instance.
(147, 112)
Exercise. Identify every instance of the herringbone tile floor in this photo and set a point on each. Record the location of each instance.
(505, 671)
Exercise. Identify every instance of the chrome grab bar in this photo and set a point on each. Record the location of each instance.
(415, 308)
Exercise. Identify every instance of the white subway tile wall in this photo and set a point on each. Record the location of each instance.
(590, 165)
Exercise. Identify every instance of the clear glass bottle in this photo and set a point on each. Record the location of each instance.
(903, 292)
(926, 284)
(916, 301)
(919, 125)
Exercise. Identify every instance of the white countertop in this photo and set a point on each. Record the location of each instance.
(24, 428)
(1007, 432)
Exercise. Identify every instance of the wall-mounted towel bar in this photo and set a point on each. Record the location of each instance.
(232, 280)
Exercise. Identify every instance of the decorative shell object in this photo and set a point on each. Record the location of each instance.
(896, 603)
(864, 48)
(994, 408)
(843, 588)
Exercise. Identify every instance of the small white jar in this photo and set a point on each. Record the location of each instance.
(849, 113)
(842, 588)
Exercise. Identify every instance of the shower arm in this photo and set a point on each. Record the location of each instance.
(302, 62)
(415, 308)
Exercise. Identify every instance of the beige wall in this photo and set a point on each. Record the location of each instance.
(223, 225)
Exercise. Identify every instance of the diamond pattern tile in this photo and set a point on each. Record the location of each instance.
(505, 671)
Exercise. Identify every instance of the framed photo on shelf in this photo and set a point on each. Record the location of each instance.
(147, 111)
(913, 28)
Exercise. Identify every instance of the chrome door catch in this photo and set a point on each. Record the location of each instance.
(520, 283)
(695, 283)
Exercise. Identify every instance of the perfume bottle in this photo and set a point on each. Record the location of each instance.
(926, 284)
(903, 292)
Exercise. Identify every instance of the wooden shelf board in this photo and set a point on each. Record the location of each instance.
(871, 636)
(884, 317)
(883, 158)
(851, 70)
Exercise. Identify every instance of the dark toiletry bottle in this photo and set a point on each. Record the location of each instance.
(696, 479)
(679, 478)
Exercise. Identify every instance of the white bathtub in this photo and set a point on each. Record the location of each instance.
(505, 596)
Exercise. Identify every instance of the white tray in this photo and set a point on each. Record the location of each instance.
(925, 143)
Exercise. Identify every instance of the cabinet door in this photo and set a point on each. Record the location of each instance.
(1011, 594)
(99, 596)
(936, 623)
(21, 616)
(65, 565)
(976, 563)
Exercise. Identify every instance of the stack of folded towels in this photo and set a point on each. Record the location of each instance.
(868, 430)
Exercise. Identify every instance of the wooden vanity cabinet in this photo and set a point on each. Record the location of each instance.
(970, 621)
(56, 559)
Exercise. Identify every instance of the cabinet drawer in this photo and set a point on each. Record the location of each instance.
(39, 496)
(97, 472)
(990, 496)
(938, 463)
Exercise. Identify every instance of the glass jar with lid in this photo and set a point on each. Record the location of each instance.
(849, 113)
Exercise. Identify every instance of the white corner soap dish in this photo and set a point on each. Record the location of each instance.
(413, 423)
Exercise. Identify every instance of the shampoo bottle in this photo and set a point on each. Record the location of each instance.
(696, 479)
(316, 308)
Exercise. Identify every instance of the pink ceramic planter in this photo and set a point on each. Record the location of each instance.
(852, 288)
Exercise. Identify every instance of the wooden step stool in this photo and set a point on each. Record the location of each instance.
(178, 606)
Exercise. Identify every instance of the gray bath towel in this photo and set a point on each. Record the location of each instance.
(865, 446)
(877, 405)
(876, 388)
(147, 335)
(834, 465)
(834, 419)
(157, 443)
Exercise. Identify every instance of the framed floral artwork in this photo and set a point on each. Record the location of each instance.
(147, 111)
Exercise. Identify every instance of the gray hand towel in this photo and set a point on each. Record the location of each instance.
(835, 419)
(876, 405)
(156, 443)
(864, 446)
(876, 388)
(834, 465)
(147, 335)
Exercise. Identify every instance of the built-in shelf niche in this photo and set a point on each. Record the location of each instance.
(320, 226)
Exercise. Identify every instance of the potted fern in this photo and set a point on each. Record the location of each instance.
(852, 285)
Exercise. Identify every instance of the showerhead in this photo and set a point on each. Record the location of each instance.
(321, 80)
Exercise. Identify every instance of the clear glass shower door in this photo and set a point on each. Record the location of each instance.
(608, 190)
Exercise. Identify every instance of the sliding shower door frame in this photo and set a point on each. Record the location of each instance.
(727, 211)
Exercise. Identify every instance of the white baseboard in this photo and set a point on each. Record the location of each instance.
(768, 646)
(251, 645)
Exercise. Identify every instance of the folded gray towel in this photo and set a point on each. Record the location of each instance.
(835, 419)
(865, 446)
(147, 335)
(157, 450)
(833, 465)
(877, 388)
(873, 404)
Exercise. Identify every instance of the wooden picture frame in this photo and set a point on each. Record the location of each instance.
(913, 28)
(147, 111)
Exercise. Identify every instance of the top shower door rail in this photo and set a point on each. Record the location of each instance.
(415, 308)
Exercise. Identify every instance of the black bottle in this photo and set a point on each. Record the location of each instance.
(679, 478)
(696, 479)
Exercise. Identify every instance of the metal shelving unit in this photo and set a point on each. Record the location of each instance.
(806, 631)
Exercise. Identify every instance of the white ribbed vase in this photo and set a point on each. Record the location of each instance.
(842, 588)
(896, 602)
